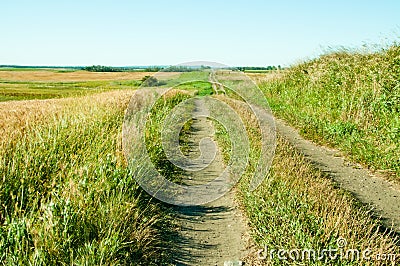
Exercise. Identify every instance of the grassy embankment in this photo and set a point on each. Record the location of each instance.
(297, 207)
(348, 100)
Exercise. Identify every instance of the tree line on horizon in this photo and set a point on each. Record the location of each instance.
(259, 68)
(100, 68)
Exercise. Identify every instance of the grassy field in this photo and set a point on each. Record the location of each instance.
(348, 100)
(67, 194)
(68, 197)
(28, 84)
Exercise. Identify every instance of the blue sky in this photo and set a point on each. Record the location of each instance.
(235, 33)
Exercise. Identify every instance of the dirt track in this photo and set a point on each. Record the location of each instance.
(381, 196)
(214, 233)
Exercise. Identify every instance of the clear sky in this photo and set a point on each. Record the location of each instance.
(239, 33)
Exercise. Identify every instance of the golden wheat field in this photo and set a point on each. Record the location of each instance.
(48, 75)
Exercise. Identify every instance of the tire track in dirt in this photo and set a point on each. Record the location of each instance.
(379, 195)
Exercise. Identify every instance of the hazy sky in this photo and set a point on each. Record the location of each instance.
(168, 32)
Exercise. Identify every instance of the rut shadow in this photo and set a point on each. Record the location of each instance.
(386, 226)
(187, 249)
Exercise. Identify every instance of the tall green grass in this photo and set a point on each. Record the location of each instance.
(154, 126)
(67, 197)
(346, 99)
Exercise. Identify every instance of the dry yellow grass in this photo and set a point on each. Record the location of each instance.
(173, 92)
(261, 77)
(46, 75)
(18, 116)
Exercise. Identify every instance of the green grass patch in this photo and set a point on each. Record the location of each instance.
(188, 77)
(201, 88)
(257, 71)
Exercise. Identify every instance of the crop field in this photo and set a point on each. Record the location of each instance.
(66, 76)
(46, 84)
(69, 196)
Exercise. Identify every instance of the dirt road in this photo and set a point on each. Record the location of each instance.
(214, 233)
